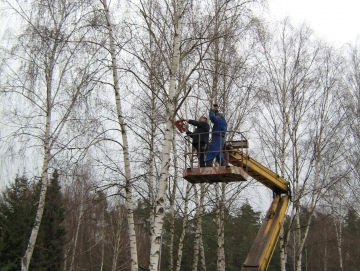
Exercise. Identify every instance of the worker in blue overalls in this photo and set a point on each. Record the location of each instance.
(217, 143)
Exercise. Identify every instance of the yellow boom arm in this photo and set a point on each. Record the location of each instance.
(264, 245)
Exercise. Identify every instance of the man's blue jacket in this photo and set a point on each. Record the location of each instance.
(201, 132)
(220, 125)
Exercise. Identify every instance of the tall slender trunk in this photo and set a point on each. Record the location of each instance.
(220, 226)
(283, 248)
(197, 231)
(65, 260)
(128, 185)
(77, 231)
(25, 261)
(102, 238)
(116, 250)
(201, 244)
(151, 172)
(172, 211)
(283, 239)
(184, 228)
(338, 231)
(302, 237)
(325, 253)
(153, 125)
(198, 244)
(165, 164)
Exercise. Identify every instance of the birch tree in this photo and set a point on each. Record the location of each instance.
(184, 228)
(300, 106)
(48, 77)
(171, 56)
(351, 101)
(124, 137)
(228, 79)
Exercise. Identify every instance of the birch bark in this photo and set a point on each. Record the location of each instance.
(117, 239)
(184, 228)
(77, 231)
(25, 261)
(125, 145)
(197, 231)
(172, 208)
(220, 194)
(338, 223)
(48, 80)
(165, 164)
(291, 81)
(201, 244)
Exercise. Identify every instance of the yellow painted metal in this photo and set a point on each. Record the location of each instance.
(258, 171)
(263, 247)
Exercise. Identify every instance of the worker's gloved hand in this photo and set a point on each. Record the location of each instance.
(215, 107)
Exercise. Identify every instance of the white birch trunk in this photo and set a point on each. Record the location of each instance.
(220, 226)
(102, 238)
(116, 250)
(128, 186)
(202, 253)
(65, 261)
(338, 231)
(198, 244)
(151, 175)
(283, 238)
(222, 219)
(172, 211)
(185, 224)
(283, 248)
(201, 244)
(81, 213)
(217, 196)
(302, 237)
(25, 261)
(325, 255)
(197, 232)
(152, 131)
(165, 164)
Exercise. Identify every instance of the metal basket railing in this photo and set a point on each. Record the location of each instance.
(234, 141)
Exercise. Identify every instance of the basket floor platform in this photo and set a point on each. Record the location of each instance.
(215, 174)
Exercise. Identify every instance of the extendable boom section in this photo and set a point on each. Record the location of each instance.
(264, 245)
(258, 171)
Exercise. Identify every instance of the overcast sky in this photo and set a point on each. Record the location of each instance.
(337, 21)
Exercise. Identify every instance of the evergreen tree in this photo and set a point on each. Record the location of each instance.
(48, 253)
(17, 212)
(240, 233)
(352, 261)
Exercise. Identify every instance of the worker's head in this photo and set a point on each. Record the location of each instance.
(219, 115)
(203, 118)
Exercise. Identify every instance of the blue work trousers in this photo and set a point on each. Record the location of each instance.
(215, 150)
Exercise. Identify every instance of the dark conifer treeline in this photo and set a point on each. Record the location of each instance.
(18, 204)
(102, 242)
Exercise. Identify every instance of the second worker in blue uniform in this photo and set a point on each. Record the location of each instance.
(217, 143)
